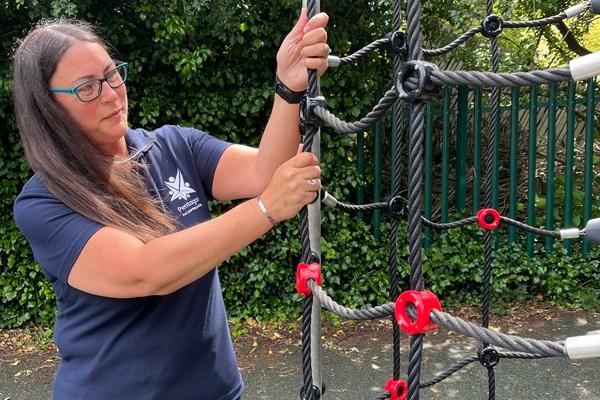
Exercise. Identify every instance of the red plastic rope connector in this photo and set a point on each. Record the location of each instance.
(424, 303)
(488, 218)
(398, 389)
(304, 272)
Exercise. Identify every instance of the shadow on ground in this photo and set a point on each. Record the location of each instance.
(357, 361)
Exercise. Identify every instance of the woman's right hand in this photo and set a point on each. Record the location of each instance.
(293, 185)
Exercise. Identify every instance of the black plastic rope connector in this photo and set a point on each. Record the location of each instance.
(424, 90)
(488, 356)
(313, 258)
(398, 207)
(307, 110)
(492, 26)
(397, 43)
(313, 393)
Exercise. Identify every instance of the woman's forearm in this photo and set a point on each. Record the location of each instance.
(280, 139)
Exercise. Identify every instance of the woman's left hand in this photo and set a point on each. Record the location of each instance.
(304, 47)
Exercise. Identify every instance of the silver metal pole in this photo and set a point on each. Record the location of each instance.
(314, 223)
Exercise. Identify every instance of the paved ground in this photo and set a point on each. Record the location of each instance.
(357, 362)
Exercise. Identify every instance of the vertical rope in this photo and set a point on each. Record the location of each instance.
(490, 158)
(308, 392)
(393, 256)
(415, 181)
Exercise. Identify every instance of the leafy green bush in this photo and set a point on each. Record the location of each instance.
(211, 65)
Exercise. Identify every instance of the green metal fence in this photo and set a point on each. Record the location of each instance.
(545, 169)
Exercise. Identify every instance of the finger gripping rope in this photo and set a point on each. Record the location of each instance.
(424, 302)
(398, 389)
(304, 272)
(488, 218)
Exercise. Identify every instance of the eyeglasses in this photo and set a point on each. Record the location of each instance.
(92, 89)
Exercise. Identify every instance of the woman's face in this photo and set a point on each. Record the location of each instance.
(104, 119)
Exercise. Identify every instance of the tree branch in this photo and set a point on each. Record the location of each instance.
(571, 40)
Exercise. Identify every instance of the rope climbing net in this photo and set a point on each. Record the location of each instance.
(418, 311)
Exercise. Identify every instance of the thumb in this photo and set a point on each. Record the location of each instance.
(301, 23)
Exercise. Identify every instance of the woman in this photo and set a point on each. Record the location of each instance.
(118, 219)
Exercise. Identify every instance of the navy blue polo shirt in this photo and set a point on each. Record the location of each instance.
(175, 346)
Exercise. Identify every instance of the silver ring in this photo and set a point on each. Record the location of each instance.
(311, 182)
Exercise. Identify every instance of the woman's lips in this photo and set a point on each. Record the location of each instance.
(114, 114)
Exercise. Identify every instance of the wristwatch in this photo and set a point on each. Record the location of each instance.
(288, 94)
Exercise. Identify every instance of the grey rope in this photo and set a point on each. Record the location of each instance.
(362, 207)
(535, 348)
(449, 225)
(525, 345)
(536, 22)
(490, 79)
(441, 78)
(364, 51)
(385, 103)
(506, 24)
(379, 43)
(399, 128)
(532, 229)
(370, 313)
(451, 370)
(454, 44)
(519, 355)
(468, 360)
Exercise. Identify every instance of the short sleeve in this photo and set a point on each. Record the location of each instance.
(56, 233)
(207, 151)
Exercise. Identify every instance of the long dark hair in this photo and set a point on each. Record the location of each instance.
(70, 165)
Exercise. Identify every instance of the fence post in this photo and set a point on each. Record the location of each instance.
(514, 160)
(360, 165)
(532, 148)
(377, 183)
(569, 153)
(550, 160)
(477, 123)
(461, 148)
(445, 154)
(428, 172)
(588, 158)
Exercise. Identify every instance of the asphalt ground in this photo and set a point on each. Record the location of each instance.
(357, 361)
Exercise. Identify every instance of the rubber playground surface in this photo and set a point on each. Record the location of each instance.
(357, 361)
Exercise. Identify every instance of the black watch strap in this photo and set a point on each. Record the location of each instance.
(288, 94)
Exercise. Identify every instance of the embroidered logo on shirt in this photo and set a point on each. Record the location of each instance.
(179, 189)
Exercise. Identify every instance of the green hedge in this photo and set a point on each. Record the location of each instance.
(210, 64)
